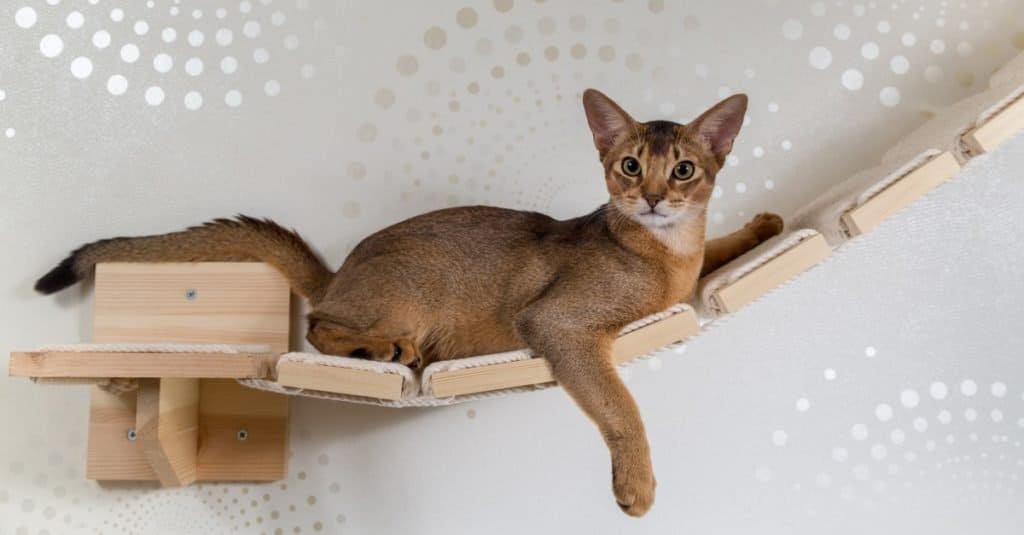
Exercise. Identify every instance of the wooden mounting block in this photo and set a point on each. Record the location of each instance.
(188, 420)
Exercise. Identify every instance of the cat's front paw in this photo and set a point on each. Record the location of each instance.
(765, 226)
(633, 482)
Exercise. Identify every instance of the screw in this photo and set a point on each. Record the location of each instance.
(190, 294)
(243, 434)
(132, 435)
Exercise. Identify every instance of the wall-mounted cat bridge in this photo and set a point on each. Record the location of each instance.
(190, 359)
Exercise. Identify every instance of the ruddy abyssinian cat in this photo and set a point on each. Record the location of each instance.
(474, 280)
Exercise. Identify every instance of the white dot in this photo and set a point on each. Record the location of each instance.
(51, 45)
(291, 42)
(81, 67)
(879, 452)
(3, 95)
(884, 26)
(221, 12)
(823, 480)
(9, 132)
(197, 14)
(830, 374)
(920, 424)
(666, 108)
(233, 98)
(194, 66)
(773, 107)
(937, 46)
(129, 53)
(769, 184)
(717, 217)
(908, 39)
(141, 27)
(803, 404)
(883, 412)
(272, 88)
(938, 390)
(117, 84)
(792, 29)
(968, 388)
(701, 70)
(870, 352)
(840, 455)
(852, 79)
(75, 20)
(786, 144)
(945, 417)
(117, 14)
(169, 35)
(196, 38)
(101, 39)
(889, 96)
(228, 65)
(154, 96)
(260, 55)
(193, 100)
(741, 187)
(859, 432)
(964, 49)
(163, 62)
(732, 160)
(277, 18)
(779, 438)
(869, 50)
(820, 57)
(996, 415)
(970, 415)
(758, 152)
(763, 474)
(933, 73)
(897, 436)
(251, 29)
(717, 192)
(245, 6)
(25, 17)
(909, 398)
(224, 37)
(654, 364)
(841, 32)
(307, 71)
(818, 9)
(899, 64)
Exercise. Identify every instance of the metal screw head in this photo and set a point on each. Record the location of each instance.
(242, 434)
(190, 294)
(132, 435)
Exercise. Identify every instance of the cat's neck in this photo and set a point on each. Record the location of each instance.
(682, 240)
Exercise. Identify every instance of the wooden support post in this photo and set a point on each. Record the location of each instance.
(167, 426)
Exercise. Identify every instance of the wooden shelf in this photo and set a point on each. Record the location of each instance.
(340, 380)
(102, 364)
(1000, 127)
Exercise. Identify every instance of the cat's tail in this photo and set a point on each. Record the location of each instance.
(226, 240)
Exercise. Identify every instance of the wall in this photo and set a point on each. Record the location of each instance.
(802, 413)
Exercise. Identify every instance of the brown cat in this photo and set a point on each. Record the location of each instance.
(468, 281)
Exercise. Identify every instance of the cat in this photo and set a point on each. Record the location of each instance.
(475, 280)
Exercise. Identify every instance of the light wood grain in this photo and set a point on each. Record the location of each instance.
(167, 422)
(225, 408)
(537, 370)
(124, 364)
(997, 129)
(770, 275)
(900, 194)
(110, 454)
(237, 303)
(340, 380)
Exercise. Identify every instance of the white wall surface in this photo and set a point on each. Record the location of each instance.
(378, 118)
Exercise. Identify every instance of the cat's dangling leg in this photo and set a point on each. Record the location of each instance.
(582, 365)
(334, 339)
(720, 251)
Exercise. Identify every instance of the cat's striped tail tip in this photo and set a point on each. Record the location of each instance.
(58, 278)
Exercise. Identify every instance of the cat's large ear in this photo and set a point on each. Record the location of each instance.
(718, 127)
(608, 122)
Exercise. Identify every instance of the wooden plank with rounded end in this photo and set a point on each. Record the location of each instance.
(340, 380)
(105, 364)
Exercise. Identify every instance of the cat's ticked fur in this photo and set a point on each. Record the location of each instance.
(468, 281)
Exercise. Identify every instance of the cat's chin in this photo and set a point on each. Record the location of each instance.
(655, 220)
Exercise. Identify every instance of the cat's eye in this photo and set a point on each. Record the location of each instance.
(630, 166)
(684, 170)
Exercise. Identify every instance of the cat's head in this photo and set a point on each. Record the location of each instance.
(660, 173)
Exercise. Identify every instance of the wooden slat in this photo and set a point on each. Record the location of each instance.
(340, 380)
(167, 423)
(208, 302)
(121, 364)
(997, 129)
(225, 409)
(537, 370)
(900, 194)
(776, 271)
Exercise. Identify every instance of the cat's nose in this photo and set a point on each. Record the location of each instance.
(653, 199)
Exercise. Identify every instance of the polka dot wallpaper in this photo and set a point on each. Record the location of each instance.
(341, 117)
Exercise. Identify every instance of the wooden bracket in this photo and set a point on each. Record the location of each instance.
(1000, 127)
(167, 428)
